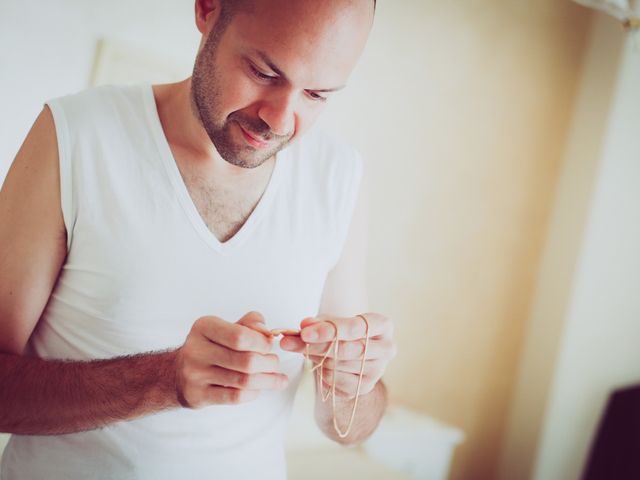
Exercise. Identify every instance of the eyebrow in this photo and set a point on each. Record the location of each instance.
(265, 58)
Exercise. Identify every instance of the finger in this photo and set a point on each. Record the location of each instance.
(311, 320)
(274, 332)
(255, 321)
(292, 343)
(346, 383)
(350, 328)
(246, 362)
(230, 396)
(376, 349)
(371, 367)
(339, 393)
(234, 336)
(248, 381)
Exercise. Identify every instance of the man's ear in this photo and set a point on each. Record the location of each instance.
(207, 14)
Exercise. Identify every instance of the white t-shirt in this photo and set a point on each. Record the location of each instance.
(143, 266)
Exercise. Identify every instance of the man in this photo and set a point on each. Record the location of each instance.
(133, 217)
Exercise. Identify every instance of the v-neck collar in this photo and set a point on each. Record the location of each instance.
(182, 191)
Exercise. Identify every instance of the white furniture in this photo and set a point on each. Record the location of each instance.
(406, 445)
(413, 443)
(4, 438)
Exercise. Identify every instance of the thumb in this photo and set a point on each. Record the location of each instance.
(254, 321)
(310, 321)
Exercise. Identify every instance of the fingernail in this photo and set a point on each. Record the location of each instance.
(309, 335)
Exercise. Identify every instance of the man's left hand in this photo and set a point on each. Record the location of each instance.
(319, 333)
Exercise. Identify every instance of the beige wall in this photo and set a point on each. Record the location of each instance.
(462, 109)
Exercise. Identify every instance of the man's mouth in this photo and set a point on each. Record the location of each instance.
(252, 139)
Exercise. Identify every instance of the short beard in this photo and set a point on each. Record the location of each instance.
(205, 103)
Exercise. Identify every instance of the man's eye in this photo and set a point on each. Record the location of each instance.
(315, 96)
(262, 76)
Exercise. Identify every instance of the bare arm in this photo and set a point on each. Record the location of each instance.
(43, 397)
(219, 363)
(371, 407)
(344, 295)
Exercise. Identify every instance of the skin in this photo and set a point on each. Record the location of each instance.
(222, 361)
(233, 84)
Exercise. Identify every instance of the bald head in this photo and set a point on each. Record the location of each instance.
(265, 69)
(229, 8)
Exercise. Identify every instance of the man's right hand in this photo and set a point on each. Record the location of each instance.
(226, 363)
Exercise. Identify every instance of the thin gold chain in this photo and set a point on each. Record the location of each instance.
(331, 392)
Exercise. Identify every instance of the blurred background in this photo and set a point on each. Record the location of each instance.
(502, 145)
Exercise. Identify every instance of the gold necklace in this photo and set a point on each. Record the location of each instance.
(335, 344)
(331, 392)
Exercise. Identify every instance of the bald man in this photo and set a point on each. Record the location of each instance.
(154, 236)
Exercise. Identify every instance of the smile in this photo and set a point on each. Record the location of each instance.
(252, 140)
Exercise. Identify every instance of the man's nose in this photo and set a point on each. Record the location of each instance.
(278, 112)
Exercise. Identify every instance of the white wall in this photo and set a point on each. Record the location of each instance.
(47, 49)
(584, 335)
(601, 344)
(565, 237)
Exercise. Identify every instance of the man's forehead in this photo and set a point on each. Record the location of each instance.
(323, 43)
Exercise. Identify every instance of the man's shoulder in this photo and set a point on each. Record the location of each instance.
(324, 163)
(94, 109)
(323, 148)
(94, 99)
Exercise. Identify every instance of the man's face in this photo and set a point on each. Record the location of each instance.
(262, 81)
